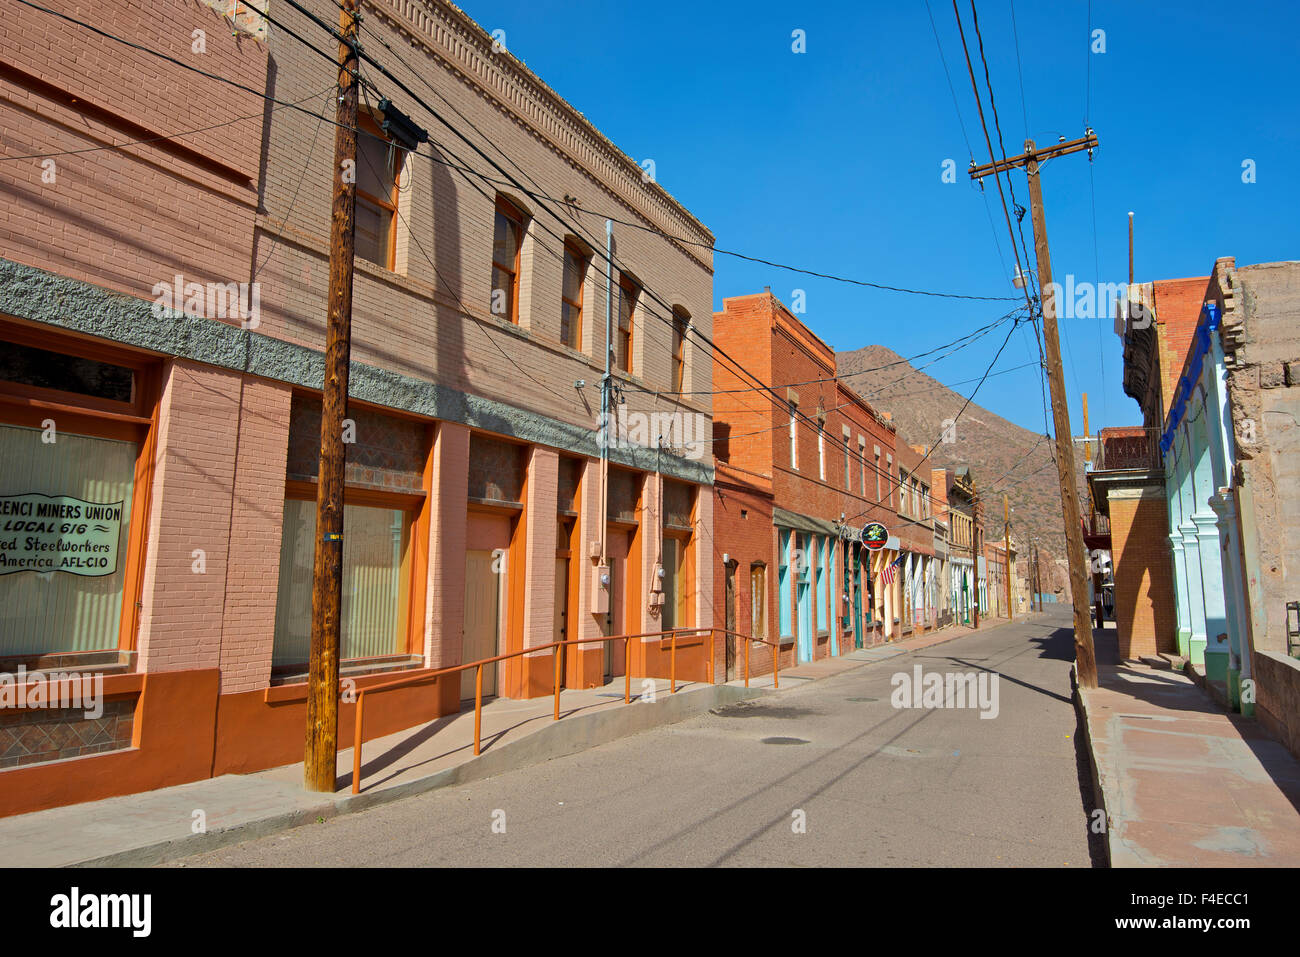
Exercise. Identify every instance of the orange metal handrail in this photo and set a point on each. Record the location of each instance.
(776, 646)
(358, 737)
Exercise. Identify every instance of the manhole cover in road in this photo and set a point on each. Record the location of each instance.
(861, 699)
(897, 752)
(784, 741)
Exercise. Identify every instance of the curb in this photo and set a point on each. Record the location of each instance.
(1098, 792)
(559, 738)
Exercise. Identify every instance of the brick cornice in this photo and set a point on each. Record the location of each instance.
(449, 35)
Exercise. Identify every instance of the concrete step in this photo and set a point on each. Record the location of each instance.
(1177, 662)
(1159, 662)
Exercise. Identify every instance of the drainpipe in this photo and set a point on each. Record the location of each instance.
(604, 392)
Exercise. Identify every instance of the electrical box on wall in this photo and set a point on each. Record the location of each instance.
(600, 590)
(656, 599)
(657, 579)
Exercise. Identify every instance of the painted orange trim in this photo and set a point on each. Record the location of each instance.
(634, 602)
(353, 495)
(515, 683)
(42, 337)
(100, 418)
(115, 686)
(138, 536)
(418, 590)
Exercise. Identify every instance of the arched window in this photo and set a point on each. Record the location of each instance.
(507, 239)
(681, 321)
(575, 274)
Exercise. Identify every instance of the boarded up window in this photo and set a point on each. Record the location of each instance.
(388, 452)
(570, 478)
(678, 501)
(624, 493)
(496, 470)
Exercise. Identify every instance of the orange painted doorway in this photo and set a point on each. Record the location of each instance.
(616, 621)
(487, 575)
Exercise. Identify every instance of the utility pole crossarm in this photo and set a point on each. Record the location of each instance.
(1087, 142)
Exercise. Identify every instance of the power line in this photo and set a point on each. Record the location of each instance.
(969, 398)
(168, 136)
(170, 59)
(840, 376)
(718, 352)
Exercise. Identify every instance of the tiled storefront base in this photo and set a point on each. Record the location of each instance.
(33, 735)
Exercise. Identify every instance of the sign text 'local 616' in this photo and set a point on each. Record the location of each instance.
(58, 533)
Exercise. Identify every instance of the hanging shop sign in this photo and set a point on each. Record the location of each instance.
(874, 536)
(59, 533)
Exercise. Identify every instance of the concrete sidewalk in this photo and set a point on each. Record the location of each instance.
(1183, 783)
(169, 823)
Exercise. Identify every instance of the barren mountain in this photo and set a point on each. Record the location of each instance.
(1002, 456)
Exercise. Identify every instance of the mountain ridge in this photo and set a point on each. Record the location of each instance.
(1004, 458)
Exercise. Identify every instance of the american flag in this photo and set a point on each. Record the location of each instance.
(891, 571)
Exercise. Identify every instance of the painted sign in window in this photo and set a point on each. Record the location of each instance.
(58, 533)
(65, 503)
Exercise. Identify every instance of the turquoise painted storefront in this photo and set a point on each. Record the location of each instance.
(1199, 452)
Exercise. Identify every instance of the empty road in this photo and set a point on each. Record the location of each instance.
(829, 773)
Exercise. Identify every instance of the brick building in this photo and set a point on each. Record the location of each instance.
(162, 307)
(799, 474)
(919, 572)
(963, 583)
(1210, 361)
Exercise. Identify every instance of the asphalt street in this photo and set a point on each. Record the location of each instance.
(830, 773)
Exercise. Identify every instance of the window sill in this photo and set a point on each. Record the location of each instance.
(290, 684)
(113, 662)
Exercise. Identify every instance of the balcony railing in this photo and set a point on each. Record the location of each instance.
(1138, 449)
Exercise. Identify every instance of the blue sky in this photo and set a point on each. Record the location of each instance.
(832, 159)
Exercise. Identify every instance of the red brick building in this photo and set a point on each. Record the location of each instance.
(1129, 528)
(798, 474)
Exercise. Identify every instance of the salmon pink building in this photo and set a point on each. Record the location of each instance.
(162, 325)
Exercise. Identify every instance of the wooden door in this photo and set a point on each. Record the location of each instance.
(484, 587)
(615, 622)
(730, 619)
(562, 613)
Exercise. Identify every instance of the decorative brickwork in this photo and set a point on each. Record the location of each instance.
(30, 736)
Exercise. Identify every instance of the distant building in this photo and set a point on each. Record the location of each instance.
(798, 476)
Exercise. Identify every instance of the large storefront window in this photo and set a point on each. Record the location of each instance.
(383, 514)
(375, 554)
(75, 468)
(65, 506)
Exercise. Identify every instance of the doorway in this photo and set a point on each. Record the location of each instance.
(857, 597)
(562, 614)
(484, 599)
(614, 622)
(730, 618)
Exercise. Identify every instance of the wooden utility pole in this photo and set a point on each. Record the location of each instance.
(1006, 559)
(321, 756)
(1085, 657)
